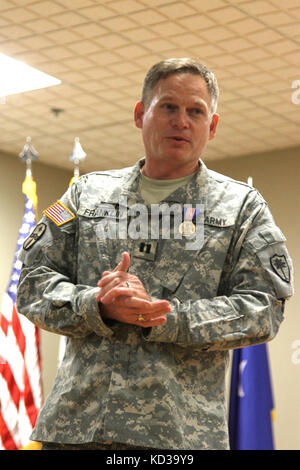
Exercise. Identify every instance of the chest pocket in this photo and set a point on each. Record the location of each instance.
(103, 231)
(188, 274)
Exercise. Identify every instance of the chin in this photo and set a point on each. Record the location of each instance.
(180, 158)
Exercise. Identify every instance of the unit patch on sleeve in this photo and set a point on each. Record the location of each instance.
(34, 236)
(281, 267)
(59, 214)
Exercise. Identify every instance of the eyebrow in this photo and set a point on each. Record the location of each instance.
(199, 102)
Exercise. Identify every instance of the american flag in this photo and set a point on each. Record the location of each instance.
(20, 361)
(59, 213)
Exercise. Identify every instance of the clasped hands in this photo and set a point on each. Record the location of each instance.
(124, 298)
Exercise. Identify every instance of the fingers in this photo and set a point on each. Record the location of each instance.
(109, 277)
(106, 298)
(137, 311)
(124, 298)
(115, 285)
(152, 322)
(124, 263)
(122, 267)
(120, 283)
(147, 307)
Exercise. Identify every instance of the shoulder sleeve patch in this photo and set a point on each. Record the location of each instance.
(34, 236)
(269, 246)
(281, 267)
(59, 214)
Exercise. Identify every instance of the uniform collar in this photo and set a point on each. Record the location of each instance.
(193, 192)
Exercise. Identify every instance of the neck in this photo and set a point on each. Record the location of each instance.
(165, 172)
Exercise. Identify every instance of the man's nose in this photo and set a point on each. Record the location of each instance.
(180, 119)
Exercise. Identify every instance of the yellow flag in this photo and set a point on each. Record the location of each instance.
(29, 189)
(32, 446)
(73, 179)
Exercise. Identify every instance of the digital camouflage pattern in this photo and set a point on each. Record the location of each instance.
(160, 387)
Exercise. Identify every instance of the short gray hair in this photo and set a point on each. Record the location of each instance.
(168, 67)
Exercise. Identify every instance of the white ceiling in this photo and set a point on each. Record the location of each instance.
(102, 49)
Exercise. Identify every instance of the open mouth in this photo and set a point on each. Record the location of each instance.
(178, 139)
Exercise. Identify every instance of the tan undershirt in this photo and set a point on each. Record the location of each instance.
(153, 190)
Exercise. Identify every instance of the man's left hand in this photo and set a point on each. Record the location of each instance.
(124, 298)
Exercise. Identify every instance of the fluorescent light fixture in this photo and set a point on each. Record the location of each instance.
(18, 77)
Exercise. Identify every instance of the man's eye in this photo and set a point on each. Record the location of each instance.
(196, 111)
(168, 106)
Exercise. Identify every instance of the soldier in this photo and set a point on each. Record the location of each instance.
(149, 323)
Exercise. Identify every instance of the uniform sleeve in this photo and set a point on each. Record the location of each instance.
(255, 284)
(48, 294)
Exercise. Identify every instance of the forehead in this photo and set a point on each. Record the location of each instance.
(182, 85)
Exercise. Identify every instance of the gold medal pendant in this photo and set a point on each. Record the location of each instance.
(187, 228)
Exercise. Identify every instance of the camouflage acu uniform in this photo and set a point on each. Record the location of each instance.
(160, 387)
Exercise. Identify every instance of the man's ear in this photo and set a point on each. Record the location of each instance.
(139, 114)
(213, 126)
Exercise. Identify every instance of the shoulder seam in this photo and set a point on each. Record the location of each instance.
(218, 177)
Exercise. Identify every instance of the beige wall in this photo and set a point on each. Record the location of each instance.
(276, 175)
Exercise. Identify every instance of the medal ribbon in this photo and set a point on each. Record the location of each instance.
(189, 213)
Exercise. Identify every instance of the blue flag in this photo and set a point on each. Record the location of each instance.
(251, 401)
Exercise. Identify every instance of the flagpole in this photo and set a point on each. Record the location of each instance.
(28, 155)
(78, 155)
